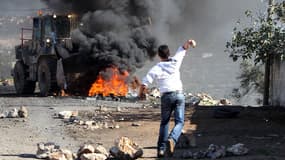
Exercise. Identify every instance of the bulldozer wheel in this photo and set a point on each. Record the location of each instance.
(22, 85)
(47, 76)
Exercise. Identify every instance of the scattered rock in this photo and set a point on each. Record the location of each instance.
(118, 109)
(199, 155)
(13, 113)
(23, 112)
(85, 149)
(126, 149)
(204, 99)
(117, 126)
(68, 154)
(93, 156)
(45, 149)
(3, 115)
(185, 155)
(56, 156)
(238, 149)
(102, 108)
(62, 154)
(102, 150)
(136, 124)
(67, 114)
(215, 151)
(89, 123)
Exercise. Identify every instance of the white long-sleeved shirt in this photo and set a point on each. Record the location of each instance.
(167, 73)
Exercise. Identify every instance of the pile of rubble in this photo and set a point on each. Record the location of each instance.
(99, 120)
(204, 99)
(22, 112)
(215, 152)
(124, 149)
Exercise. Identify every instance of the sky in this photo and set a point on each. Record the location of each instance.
(20, 7)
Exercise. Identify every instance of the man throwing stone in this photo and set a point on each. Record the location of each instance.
(167, 75)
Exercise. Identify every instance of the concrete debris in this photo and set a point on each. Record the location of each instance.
(97, 120)
(67, 114)
(45, 149)
(126, 149)
(23, 112)
(238, 149)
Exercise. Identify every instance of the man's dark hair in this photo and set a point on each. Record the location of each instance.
(163, 51)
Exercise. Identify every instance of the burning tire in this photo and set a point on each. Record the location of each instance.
(22, 85)
(47, 76)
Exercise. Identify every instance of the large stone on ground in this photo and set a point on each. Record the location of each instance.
(23, 112)
(237, 150)
(13, 113)
(93, 156)
(3, 115)
(102, 150)
(67, 114)
(85, 149)
(45, 149)
(62, 154)
(126, 149)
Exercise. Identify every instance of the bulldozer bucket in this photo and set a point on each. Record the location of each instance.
(72, 65)
(75, 63)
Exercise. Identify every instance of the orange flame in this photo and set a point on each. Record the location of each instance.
(115, 86)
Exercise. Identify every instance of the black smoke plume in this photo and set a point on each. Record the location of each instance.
(111, 33)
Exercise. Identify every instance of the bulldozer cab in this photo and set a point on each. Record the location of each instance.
(51, 28)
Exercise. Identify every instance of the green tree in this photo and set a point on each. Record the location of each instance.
(263, 38)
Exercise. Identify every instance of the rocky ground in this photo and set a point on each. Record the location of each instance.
(261, 130)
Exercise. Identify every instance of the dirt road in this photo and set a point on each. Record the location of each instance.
(261, 130)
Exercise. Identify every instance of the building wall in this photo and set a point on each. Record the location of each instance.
(277, 82)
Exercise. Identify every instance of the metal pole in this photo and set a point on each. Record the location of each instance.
(267, 65)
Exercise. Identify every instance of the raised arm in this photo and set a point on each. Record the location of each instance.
(180, 53)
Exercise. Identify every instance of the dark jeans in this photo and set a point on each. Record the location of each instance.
(171, 102)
